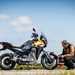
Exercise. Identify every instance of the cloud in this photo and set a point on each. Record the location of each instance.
(4, 17)
(22, 23)
(12, 28)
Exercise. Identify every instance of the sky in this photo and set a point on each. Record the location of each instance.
(55, 18)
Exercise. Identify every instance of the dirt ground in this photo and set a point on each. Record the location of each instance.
(38, 72)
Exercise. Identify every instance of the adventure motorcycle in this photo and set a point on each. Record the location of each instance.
(27, 53)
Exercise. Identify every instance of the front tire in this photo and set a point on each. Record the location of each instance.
(6, 63)
(47, 64)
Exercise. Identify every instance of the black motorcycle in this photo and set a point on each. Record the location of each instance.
(28, 53)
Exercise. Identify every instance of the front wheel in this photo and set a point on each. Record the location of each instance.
(6, 63)
(48, 63)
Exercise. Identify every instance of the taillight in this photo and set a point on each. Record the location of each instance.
(1, 46)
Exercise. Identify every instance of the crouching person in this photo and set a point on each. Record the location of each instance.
(68, 54)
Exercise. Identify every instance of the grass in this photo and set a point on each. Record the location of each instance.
(28, 67)
(33, 66)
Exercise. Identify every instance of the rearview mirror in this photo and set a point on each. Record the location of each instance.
(34, 29)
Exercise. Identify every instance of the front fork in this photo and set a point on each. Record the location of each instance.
(47, 55)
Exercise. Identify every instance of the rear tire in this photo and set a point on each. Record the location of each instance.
(6, 63)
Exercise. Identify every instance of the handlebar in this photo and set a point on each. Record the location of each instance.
(35, 35)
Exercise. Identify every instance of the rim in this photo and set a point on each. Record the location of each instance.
(6, 62)
(49, 64)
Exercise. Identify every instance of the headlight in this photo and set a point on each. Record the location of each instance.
(1, 46)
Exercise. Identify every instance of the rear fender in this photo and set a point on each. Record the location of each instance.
(7, 54)
(6, 45)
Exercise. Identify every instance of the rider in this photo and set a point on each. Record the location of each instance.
(68, 54)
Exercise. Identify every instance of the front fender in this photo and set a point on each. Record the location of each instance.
(49, 55)
(45, 54)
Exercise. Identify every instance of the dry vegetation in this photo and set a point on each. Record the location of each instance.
(36, 69)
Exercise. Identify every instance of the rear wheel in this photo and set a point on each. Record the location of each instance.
(6, 63)
(47, 63)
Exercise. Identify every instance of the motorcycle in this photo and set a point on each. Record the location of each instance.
(28, 53)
